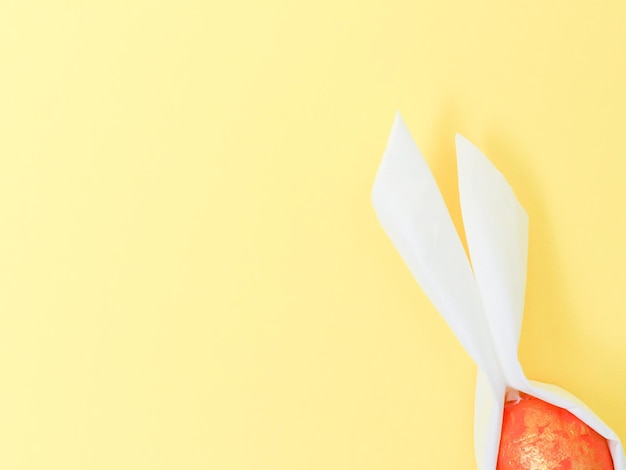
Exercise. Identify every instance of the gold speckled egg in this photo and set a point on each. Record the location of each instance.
(539, 436)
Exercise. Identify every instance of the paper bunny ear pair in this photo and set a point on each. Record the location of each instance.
(483, 302)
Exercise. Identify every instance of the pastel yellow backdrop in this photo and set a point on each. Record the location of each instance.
(191, 273)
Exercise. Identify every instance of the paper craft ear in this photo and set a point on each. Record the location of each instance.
(496, 227)
(411, 210)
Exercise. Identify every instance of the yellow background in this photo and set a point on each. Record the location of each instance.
(191, 273)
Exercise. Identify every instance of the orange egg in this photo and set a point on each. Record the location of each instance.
(538, 436)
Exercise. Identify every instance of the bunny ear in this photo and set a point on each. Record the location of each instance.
(496, 227)
(411, 209)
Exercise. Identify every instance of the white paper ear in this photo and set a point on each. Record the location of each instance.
(411, 209)
(496, 227)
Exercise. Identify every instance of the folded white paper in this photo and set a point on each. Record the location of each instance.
(483, 302)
